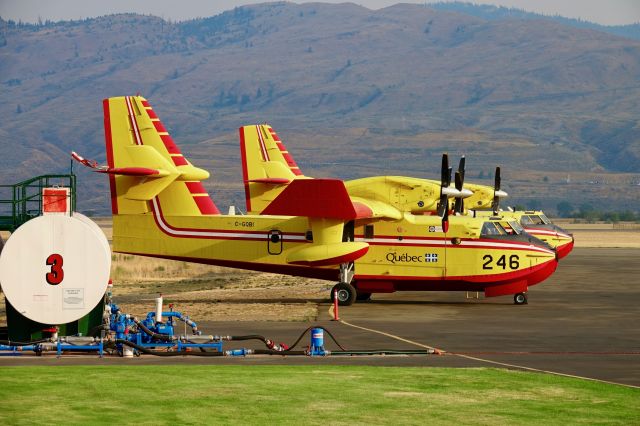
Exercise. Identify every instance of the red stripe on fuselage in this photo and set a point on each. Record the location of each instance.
(159, 214)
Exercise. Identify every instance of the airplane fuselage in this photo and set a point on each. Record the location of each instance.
(408, 254)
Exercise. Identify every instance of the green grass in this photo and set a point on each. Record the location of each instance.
(188, 394)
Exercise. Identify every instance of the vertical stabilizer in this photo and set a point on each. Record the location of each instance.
(144, 164)
(267, 166)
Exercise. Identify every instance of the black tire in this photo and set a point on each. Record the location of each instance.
(346, 294)
(363, 297)
(520, 299)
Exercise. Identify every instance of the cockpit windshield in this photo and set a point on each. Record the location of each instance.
(492, 229)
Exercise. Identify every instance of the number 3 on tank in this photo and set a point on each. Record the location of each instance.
(56, 275)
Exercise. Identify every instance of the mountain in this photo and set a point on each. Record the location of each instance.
(491, 12)
(353, 92)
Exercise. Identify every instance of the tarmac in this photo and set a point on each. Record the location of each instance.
(582, 322)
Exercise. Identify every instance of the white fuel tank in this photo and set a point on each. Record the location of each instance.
(54, 269)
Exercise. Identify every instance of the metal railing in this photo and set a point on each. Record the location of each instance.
(26, 198)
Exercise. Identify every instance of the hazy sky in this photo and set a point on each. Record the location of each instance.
(607, 12)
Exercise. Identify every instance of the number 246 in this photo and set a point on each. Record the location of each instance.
(514, 261)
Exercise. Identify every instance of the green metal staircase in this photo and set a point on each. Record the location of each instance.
(23, 201)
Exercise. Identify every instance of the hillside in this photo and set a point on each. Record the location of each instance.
(352, 91)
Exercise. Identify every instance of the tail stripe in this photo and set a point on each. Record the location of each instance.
(159, 127)
(109, 148)
(170, 144)
(196, 187)
(263, 148)
(245, 172)
(179, 160)
(283, 150)
(132, 120)
(205, 204)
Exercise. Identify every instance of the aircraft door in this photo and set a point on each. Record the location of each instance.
(274, 242)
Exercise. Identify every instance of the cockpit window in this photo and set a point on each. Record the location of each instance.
(524, 220)
(530, 220)
(517, 228)
(544, 219)
(492, 228)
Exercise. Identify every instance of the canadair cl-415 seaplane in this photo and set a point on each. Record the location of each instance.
(373, 235)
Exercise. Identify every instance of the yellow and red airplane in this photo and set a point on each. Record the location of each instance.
(301, 226)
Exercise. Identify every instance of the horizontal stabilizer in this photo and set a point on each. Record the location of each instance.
(328, 254)
(315, 198)
(132, 171)
(271, 181)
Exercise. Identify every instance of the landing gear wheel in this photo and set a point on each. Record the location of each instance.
(346, 294)
(363, 297)
(520, 298)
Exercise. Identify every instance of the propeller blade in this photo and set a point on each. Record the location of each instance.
(461, 167)
(443, 205)
(459, 206)
(444, 171)
(495, 204)
(458, 181)
(445, 220)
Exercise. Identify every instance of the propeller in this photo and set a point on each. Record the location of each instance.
(445, 181)
(458, 207)
(495, 204)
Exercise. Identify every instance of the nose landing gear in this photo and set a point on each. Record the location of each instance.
(520, 299)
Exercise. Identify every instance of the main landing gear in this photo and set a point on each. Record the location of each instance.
(344, 291)
(520, 298)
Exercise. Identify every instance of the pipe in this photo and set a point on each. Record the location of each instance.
(33, 342)
(162, 337)
(159, 309)
(78, 340)
(168, 354)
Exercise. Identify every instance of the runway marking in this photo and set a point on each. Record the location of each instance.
(504, 364)
(393, 336)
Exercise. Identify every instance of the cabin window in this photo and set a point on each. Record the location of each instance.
(348, 232)
(368, 232)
